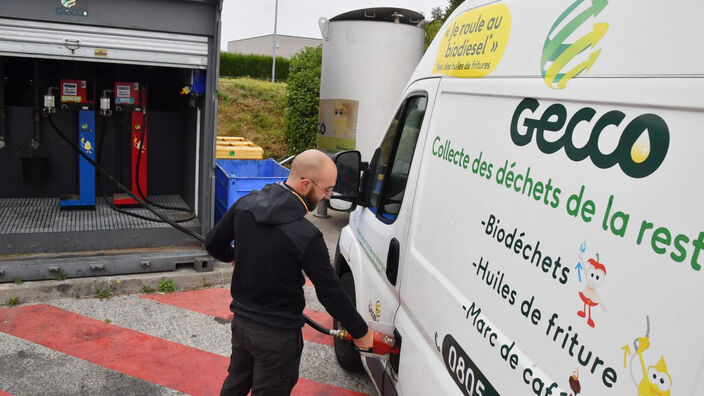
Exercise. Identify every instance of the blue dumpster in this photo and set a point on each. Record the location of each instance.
(236, 178)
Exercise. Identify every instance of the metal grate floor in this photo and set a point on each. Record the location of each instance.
(37, 215)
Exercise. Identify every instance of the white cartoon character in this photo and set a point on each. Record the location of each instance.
(595, 273)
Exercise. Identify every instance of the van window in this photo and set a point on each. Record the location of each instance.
(395, 157)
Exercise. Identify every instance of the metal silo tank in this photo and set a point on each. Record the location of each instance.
(368, 57)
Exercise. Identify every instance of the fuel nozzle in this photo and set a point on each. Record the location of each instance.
(193, 96)
(105, 103)
(384, 344)
(49, 102)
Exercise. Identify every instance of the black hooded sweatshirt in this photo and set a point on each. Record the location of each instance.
(273, 243)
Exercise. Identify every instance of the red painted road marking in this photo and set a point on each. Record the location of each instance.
(152, 359)
(139, 355)
(213, 302)
(216, 302)
(5, 393)
(311, 334)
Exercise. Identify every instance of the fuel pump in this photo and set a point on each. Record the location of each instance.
(129, 97)
(78, 95)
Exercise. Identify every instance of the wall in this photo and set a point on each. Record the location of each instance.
(287, 45)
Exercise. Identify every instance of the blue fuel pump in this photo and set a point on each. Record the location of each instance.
(79, 95)
(86, 171)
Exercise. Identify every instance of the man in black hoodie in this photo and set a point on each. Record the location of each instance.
(273, 244)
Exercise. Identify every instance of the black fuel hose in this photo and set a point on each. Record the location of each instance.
(172, 223)
(115, 208)
(142, 133)
(37, 104)
(149, 207)
(317, 326)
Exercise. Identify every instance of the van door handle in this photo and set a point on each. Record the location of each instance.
(392, 261)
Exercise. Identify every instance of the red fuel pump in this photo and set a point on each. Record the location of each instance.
(129, 97)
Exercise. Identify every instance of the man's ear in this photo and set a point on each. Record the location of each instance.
(306, 185)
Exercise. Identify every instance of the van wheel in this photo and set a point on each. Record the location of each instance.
(345, 352)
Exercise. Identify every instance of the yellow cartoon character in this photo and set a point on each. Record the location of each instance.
(656, 379)
(339, 120)
(87, 146)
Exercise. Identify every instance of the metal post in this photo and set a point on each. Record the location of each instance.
(273, 57)
(322, 210)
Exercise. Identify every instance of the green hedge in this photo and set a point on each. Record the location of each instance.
(255, 66)
(302, 97)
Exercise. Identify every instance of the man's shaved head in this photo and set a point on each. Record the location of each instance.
(313, 173)
(310, 163)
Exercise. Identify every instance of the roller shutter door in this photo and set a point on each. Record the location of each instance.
(99, 44)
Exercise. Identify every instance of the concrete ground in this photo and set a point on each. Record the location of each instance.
(186, 278)
(92, 346)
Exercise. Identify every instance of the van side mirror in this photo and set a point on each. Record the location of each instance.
(345, 195)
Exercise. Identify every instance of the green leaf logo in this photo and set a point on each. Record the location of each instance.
(563, 56)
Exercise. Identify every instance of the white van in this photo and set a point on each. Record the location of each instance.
(532, 221)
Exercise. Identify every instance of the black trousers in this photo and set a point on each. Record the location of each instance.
(264, 359)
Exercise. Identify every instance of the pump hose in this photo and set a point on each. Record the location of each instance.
(143, 132)
(112, 206)
(125, 189)
(149, 207)
(316, 326)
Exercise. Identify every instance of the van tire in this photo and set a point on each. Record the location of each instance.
(345, 352)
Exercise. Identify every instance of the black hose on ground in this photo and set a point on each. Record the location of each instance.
(195, 235)
(125, 189)
(107, 200)
(142, 134)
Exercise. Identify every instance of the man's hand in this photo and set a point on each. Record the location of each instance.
(366, 342)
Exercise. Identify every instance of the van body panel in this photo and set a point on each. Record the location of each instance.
(641, 38)
(345, 244)
(551, 231)
(457, 264)
(421, 369)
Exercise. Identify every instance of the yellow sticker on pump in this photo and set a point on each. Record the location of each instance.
(472, 45)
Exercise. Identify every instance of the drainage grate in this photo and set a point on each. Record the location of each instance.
(36, 215)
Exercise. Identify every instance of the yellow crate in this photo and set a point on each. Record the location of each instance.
(232, 139)
(230, 147)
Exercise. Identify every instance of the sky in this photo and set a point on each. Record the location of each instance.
(252, 18)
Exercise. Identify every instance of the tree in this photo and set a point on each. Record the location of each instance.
(451, 7)
(302, 95)
(439, 16)
(431, 28)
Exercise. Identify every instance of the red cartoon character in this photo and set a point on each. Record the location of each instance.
(596, 272)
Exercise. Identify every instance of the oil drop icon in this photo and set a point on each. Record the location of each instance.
(641, 148)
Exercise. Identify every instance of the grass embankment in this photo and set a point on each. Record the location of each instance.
(254, 110)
